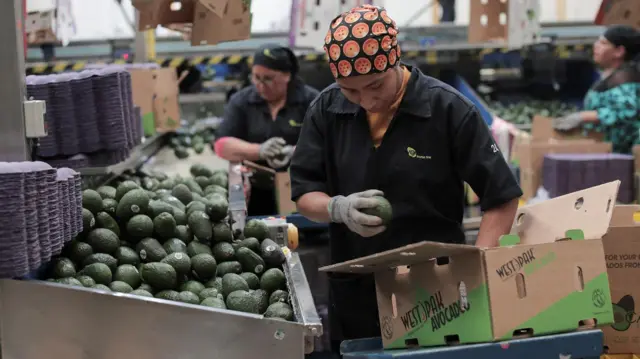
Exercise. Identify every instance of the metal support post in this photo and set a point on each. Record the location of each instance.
(561, 10)
(145, 43)
(13, 142)
(435, 16)
(140, 44)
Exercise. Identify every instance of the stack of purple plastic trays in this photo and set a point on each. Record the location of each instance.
(89, 113)
(566, 173)
(42, 210)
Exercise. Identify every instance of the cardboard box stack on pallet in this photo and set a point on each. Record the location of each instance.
(548, 276)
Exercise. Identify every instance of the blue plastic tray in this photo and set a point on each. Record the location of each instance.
(584, 344)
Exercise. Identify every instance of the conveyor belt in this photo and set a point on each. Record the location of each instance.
(166, 162)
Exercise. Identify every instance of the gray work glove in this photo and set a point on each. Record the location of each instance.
(568, 122)
(347, 210)
(283, 159)
(271, 148)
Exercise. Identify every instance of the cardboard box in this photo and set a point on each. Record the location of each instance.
(531, 158)
(282, 182)
(213, 21)
(166, 105)
(515, 23)
(142, 88)
(621, 245)
(543, 279)
(619, 12)
(635, 151)
(156, 92)
(528, 151)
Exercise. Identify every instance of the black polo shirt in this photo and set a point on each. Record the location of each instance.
(247, 115)
(436, 142)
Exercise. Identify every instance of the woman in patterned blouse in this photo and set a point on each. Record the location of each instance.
(612, 105)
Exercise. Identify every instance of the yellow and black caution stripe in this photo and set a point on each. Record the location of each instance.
(176, 61)
(229, 59)
(567, 51)
(54, 67)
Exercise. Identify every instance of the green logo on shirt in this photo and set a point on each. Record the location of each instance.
(267, 53)
(414, 154)
(293, 123)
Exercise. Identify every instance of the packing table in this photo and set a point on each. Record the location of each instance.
(577, 345)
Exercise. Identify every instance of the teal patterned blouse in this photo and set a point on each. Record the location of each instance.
(616, 98)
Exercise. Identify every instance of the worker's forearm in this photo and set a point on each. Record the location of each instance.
(235, 150)
(314, 205)
(589, 116)
(496, 222)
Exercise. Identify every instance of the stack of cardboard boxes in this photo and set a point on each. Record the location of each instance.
(548, 276)
(621, 246)
(205, 22)
(509, 22)
(52, 22)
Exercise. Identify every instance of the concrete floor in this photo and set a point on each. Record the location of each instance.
(165, 161)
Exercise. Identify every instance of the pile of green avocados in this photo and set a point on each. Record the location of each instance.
(521, 113)
(184, 139)
(169, 238)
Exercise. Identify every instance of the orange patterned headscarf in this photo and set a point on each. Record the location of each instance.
(362, 41)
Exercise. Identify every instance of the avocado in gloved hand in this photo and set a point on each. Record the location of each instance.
(282, 159)
(271, 148)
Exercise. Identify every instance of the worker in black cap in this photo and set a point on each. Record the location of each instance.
(612, 105)
(262, 122)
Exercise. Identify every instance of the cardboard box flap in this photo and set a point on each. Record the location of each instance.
(619, 12)
(588, 210)
(627, 215)
(542, 128)
(160, 12)
(403, 256)
(215, 6)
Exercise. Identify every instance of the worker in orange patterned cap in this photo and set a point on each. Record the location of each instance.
(385, 129)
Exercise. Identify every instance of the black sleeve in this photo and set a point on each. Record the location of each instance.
(234, 121)
(480, 163)
(308, 172)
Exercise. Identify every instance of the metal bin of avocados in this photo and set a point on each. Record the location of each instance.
(76, 322)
